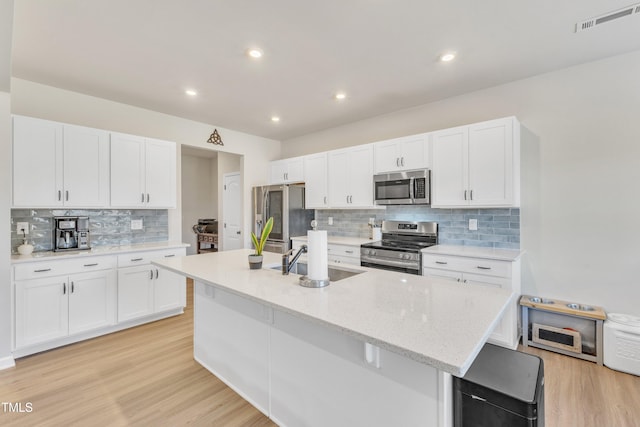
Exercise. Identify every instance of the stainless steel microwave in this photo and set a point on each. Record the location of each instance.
(402, 188)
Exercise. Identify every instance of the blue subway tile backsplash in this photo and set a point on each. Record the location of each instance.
(108, 227)
(497, 228)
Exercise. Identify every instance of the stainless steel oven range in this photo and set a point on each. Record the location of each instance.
(399, 249)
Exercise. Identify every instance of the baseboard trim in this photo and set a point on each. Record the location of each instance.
(7, 362)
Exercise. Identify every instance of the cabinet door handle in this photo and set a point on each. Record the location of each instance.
(147, 197)
(398, 161)
(157, 273)
(442, 262)
(401, 161)
(471, 195)
(64, 289)
(464, 281)
(325, 200)
(66, 195)
(142, 200)
(59, 195)
(91, 265)
(465, 194)
(136, 259)
(483, 268)
(42, 270)
(348, 252)
(169, 256)
(151, 274)
(73, 287)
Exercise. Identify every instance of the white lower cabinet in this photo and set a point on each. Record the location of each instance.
(483, 272)
(135, 292)
(144, 289)
(58, 302)
(231, 339)
(56, 307)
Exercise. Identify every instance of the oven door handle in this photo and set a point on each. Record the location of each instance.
(389, 262)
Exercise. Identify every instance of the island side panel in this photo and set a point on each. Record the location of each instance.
(321, 377)
(231, 340)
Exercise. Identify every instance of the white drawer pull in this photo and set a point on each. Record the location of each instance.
(136, 259)
(42, 271)
(169, 256)
(91, 265)
(483, 268)
(442, 262)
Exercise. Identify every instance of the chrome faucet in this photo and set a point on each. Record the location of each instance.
(286, 265)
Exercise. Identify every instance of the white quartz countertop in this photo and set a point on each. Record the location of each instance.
(475, 252)
(339, 240)
(435, 322)
(98, 250)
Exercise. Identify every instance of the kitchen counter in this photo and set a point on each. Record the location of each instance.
(98, 250)
(433, 322)
(475, 252)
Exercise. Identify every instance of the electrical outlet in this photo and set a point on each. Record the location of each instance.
(330, 220)
(136, 224)
(473, 224)
(22, 226)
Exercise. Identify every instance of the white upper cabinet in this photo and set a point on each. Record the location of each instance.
(407, 153)
(160, 168)
(143, 172)
(286, 171)
(315, 178)
(351, 177)
(86, 166)
(58, 165)
(476, 165)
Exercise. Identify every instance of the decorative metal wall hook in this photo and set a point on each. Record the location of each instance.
(215, 138)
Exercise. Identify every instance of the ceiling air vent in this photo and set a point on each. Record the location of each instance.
(621, 13)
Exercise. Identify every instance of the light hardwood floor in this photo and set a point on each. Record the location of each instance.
(147, 376)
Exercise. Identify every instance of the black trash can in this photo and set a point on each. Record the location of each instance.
(502, 388)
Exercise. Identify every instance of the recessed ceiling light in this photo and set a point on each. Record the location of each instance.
(254, 53)
(446, 57)
(340, 95)
(275, 119)
(191, 92)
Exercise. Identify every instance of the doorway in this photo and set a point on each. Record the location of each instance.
(203, 172)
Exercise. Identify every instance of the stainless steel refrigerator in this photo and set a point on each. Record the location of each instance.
(285, 203)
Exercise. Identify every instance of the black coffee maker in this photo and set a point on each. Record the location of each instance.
(71, 233)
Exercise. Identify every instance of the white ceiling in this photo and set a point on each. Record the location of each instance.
(383, 53)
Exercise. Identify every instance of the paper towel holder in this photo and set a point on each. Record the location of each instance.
(311, 283)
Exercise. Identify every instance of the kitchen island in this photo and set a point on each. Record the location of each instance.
(377, 348)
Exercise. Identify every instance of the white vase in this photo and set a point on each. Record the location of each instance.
(255, 262)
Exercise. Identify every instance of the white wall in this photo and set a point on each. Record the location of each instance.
(5, 219)
(36, 100)
(589, 146)
(199, 195)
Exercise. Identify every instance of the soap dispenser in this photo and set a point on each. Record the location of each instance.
(25, 248)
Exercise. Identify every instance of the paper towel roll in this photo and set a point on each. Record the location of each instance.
(317, 255)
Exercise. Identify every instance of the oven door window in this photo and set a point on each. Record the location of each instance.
(393, 190)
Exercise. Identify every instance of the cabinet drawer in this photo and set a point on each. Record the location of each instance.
(487, 267)
(141, 258)
(343, 251)
(63, 267)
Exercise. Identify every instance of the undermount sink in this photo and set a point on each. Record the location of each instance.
(335, 273)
